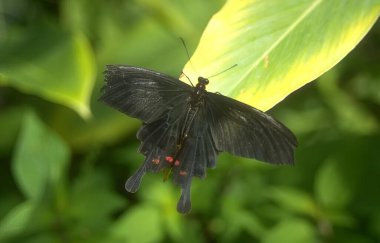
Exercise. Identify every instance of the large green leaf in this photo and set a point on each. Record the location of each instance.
(40, 158)
(278, 45)
(53, 65)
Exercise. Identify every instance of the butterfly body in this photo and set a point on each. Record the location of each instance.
(184, 128)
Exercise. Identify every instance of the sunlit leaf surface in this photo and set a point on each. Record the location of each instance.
(278, 46)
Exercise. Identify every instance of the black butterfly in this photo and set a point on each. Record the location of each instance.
(184, 128)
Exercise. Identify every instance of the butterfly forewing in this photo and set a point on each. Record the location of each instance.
(245, 131)
(142, 93)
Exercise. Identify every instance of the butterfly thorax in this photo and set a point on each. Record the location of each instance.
(196, 100)
(199, 92)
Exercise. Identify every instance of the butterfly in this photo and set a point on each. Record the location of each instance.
(185, 128)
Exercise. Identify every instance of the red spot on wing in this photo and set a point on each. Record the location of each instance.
(169, 159)
(176, 162)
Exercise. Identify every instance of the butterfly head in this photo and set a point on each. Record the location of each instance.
(199, 91)
(202, 82)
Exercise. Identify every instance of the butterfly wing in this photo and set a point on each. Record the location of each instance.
(198, 154)
(221, 124)
(245, 131)
(142, 93)
(159, 145)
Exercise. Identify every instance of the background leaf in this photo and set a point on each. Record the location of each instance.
(16, 220)
(279, 46)
(40, 158)
(293, 200)
(141, 224)
(292, 231)
(55, 66)
(332, 188)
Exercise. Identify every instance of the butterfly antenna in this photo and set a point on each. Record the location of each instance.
(225, 70)
(188, 78)
(188, 56)
(184, 45)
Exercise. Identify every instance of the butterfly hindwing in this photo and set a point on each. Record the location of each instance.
(245, 131)
(159, 141)
(197, 154)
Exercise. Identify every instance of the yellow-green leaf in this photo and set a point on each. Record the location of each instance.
(278, 45)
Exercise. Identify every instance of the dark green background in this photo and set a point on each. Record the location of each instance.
(332, 194)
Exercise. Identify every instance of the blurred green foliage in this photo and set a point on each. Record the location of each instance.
(62, 176)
